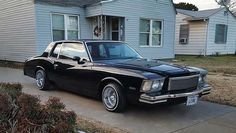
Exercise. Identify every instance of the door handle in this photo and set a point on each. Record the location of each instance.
(55, 66)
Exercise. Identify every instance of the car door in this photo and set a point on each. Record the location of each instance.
(53, 73)
(74, 75)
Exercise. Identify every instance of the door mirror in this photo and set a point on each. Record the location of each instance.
(79, 60)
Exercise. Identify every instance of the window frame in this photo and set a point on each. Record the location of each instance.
(151, 32)
(66, 18)
(225, 34)
(187, 35)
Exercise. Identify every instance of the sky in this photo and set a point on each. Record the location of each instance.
(201, 4)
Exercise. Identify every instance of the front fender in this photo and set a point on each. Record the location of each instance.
(200, 70)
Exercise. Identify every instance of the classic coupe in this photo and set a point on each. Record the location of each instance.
(115, 73)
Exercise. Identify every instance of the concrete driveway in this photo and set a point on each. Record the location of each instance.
(204, 117)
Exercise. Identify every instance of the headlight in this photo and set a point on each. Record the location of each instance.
(154, 85)
(202, 79)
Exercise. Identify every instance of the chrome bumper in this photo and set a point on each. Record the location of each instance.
(206, 89)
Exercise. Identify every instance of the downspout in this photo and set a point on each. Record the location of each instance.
(207, 26)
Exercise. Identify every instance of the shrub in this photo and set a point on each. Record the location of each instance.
(22, 113)
(13, 90)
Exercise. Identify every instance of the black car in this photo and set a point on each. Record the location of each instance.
(116, 73)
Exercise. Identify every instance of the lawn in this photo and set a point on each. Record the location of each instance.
(222, 76)
(11, 64)
(218, 64)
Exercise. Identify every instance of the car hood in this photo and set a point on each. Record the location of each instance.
(159, 67)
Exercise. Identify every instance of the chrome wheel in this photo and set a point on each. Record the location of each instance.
(40, 79)
(110, 97)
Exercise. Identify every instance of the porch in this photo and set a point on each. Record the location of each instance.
(108, 27)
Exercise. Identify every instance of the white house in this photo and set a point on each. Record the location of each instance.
(206, 32)
(28, 26)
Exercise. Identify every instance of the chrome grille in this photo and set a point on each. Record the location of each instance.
(182, 83)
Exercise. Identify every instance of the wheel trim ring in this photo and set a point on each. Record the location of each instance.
(106, 99)
(40, 80)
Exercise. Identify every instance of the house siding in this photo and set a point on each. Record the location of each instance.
(197, 37)
(133, 11)
(93, 10)
(17, 30)
(43, 23)
(230, 46)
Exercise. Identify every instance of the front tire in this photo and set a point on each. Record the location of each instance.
(41, 80)
(113, 98)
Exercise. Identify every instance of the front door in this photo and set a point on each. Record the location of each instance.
(117, 32)
(73, 76)
(115, 29)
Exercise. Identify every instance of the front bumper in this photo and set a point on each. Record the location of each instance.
(144, 98)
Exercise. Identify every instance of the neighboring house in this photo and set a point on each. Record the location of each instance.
(27, 26)
(206, 32)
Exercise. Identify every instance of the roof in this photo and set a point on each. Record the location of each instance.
(80, 3)
(70, 2)
(199, 15)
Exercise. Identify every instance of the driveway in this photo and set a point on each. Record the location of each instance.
(203, 117)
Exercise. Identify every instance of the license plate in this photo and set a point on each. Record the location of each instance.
(192, 100)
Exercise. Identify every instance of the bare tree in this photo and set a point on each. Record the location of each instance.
(229, 4)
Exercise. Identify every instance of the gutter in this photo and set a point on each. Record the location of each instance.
(207, 25)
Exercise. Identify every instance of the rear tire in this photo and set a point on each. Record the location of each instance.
(113, 98)
(41, 80)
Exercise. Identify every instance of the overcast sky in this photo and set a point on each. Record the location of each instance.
(201, 4)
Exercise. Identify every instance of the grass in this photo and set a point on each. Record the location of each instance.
(11, 64)
(222, 76)
(91, 126)
(217, 64)
(224, 91)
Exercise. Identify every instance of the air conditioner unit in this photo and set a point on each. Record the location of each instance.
(183, 41)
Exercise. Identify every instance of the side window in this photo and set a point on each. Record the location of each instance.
(49, 48)
(56, 51)
(71, 50)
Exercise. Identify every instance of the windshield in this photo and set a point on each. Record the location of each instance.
(111, 50)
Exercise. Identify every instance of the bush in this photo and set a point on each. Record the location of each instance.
(13, 90)
(22, 113)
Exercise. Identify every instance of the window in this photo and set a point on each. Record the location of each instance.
(150, 32)
(221, 34)
(56, 50)
(184, 34)
(58, 27)
(71, 50)
(65, 27)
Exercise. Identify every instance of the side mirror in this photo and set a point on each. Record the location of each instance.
(79, 60)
